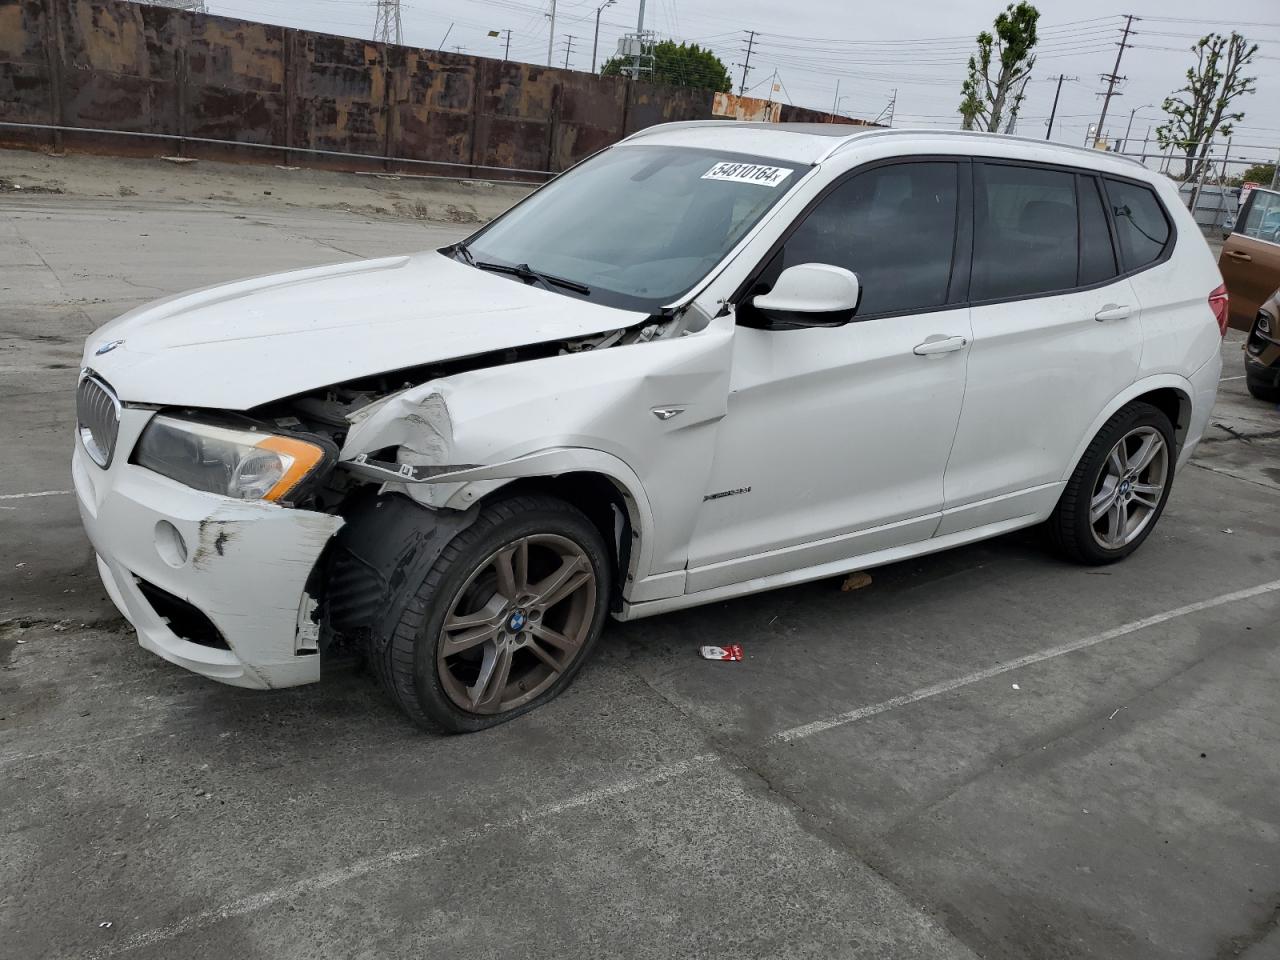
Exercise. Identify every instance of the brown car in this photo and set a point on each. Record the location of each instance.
(1250, 264)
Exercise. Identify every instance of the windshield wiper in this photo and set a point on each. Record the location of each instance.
(460, 251)
(525, 272)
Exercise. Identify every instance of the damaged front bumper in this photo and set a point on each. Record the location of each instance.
(212, 584)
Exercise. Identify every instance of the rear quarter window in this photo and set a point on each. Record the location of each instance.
(1142, 226)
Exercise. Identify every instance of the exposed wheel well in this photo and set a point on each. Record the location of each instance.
(1175, 405)
(605, 504)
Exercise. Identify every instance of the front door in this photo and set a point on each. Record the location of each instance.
(836, 438)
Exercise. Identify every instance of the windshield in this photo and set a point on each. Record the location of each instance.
(636, 226)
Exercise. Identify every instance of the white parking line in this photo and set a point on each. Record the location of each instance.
(38, 493)
(660, 774)
(1225, 379)
(332, 878)
(946, 686)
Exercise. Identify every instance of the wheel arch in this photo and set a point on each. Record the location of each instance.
(595, 482)
(1169, 393)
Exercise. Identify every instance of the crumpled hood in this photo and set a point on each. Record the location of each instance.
(238, 345)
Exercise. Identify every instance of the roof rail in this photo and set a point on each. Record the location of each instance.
(975, 135)
(671, 125)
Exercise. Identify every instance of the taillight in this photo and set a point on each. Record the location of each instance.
(1218, 304)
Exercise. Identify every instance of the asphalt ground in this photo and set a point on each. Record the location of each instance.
(987, 752)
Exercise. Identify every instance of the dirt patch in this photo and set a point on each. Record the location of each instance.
(263, 187)
(11, 184)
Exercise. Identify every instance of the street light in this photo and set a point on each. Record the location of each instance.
(498, 33)
(596, 42)
(1125, 142)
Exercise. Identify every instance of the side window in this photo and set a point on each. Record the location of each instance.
(1025, 231)
(1141, 226)
(1262, 221)
(1097, 255)
(894, 226)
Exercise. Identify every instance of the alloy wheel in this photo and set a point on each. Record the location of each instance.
(1130, 488)
(517, 624)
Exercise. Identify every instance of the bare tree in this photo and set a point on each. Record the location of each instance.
(1200, 111)
(985, 100)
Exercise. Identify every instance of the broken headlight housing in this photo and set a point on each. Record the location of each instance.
(230, 461)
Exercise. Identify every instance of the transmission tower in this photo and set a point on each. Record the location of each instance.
(386, 23)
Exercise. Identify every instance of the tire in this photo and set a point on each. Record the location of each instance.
(462, 587)
(1133, 509)
(1265, 393)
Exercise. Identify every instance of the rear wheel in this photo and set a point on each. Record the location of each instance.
(1119, 488)
(503, 620)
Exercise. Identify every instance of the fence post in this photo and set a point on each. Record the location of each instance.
(55, 53)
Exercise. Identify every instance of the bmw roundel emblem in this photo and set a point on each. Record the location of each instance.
(108, 347)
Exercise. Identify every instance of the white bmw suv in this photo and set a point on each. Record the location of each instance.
(713, 359)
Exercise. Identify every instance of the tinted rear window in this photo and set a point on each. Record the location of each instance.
(1025, 238)
(1097, 255)
(1141, 226)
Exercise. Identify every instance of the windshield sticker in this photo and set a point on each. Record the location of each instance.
(747, 173)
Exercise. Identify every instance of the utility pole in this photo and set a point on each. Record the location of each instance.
(1054, 112)
(506, 53)
(746, 63)
(596, 42)
(1275, 175)
(639, 42)
(835, 101)
(551, 35)
(386, 22)
(1114, 77)
(568, 49)
(887, 112)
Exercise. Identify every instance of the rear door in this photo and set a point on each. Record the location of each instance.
(1250, 261)
(1056, 336)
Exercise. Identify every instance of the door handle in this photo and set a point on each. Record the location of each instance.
(1113, 311)
(1237, 255)
(932, 347)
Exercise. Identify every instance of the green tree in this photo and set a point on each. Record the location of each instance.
(1200, 111)
(986, 98)
(679, 65)
(1263, 173)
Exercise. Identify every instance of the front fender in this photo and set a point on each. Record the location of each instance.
(606, 411)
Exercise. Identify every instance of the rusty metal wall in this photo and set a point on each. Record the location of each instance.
(124, 66)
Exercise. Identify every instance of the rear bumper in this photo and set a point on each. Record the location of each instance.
(244, 566)
(1204, 393)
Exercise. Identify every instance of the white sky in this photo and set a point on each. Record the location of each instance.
(919, 48)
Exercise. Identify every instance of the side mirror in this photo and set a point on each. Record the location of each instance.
(811, 294)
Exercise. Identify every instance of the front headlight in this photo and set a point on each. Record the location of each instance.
(243, 464)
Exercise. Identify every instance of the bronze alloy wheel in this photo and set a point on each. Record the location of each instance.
(1130, 487)
(517, 624)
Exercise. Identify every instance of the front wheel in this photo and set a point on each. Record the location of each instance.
(1119, 488)
(504, 619)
